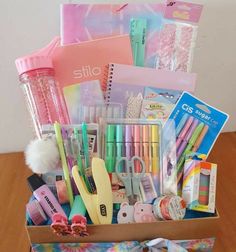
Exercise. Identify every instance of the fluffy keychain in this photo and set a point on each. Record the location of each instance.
(42, 155)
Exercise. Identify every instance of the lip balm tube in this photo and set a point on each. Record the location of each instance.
(44, 196)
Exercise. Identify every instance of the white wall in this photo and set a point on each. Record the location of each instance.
(28, 25)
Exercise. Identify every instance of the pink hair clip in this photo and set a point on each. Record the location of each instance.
(79, 226)
(60, 225)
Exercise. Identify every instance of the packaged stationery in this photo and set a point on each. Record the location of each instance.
(178, 36)
(197, 127)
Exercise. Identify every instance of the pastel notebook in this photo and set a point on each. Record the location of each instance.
(88, 61)
(79, 22)
(126, 85)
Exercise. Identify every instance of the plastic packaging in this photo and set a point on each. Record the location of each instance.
(197, 127)
(43, 97)
(132, 138)
(178, 36)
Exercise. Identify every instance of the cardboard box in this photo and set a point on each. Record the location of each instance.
(172, 230)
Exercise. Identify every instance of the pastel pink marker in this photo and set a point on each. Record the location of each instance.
(184, 131)
(137, 149)
(44, 196)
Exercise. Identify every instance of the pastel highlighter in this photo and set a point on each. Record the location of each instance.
(137, 149)
(44, 196)
(146, 153)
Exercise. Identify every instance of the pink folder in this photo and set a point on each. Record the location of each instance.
(88, 61)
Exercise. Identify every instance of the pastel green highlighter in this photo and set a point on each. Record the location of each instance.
(78, 207)
(110, 148)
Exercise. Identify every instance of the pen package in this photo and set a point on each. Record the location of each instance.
(93, 113)
(178, 36)
(137, 143)
(197, 127)
(86, 94)
(199, 185)
(72, 142)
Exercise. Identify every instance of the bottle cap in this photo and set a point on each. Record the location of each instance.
(40, 59)
(35, 182)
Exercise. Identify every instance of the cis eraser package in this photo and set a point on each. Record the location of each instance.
(197, 125)
(178, 36)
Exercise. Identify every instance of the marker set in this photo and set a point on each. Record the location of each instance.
(130, 139)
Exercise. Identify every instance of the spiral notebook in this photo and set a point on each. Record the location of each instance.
(87, 61)
(126, 85)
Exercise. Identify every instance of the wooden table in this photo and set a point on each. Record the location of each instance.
(14, 194)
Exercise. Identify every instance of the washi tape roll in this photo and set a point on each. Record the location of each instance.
(169, 208)
(62, 192)
(36, 212)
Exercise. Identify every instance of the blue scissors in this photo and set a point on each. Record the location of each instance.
(129, 177)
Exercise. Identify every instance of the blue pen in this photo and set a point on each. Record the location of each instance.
(181, 124)
(119, 144)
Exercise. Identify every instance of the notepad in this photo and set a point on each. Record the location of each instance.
(126, 85)
(87, 61)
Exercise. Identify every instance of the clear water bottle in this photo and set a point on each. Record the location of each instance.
(44, 98)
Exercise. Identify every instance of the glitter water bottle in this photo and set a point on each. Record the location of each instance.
(44, 98)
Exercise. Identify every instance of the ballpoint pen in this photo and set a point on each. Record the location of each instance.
(57, 128)
(88, 172)
(146, 143)
(137, 148)
(78, 153)
(184, 131)
(67, 148)
(200, 138)
(110, 148)
(128, 141)
(189, 147)
(186, 138)
(119, 143)
(181, 124)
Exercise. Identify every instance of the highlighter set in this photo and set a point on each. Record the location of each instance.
(138, 143)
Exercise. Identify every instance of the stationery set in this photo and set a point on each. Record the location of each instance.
(121, 138)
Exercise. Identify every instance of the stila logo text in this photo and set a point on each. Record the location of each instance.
(86, 71)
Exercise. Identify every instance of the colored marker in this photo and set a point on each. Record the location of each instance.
(137, 149)
(128, 141)
(110, 148)
(146, 153)
(190, 145)
(184, 131)
(187, 138)
(119, 144)
(200, 138)
(155, 149)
